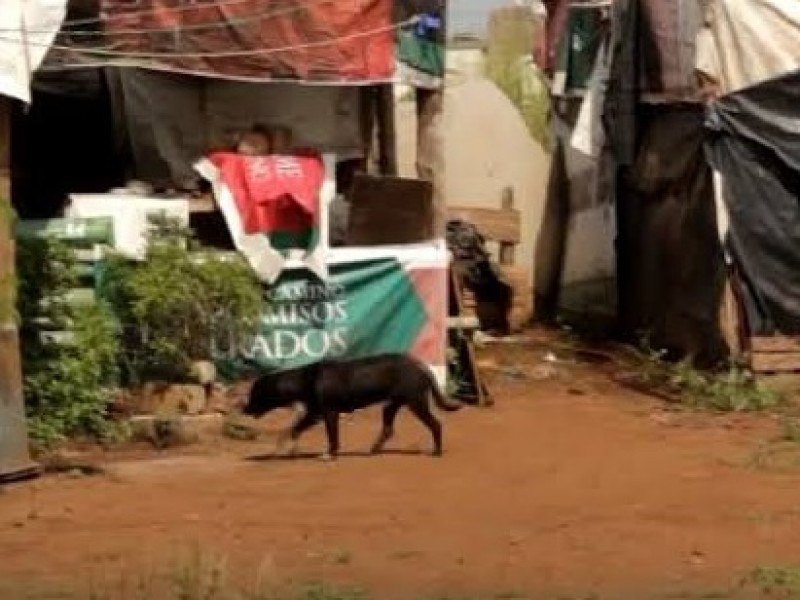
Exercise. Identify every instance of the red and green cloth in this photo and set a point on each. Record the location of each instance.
(271, 205)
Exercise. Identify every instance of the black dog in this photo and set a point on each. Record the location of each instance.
(329, 388)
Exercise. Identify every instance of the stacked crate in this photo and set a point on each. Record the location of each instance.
(87, 238)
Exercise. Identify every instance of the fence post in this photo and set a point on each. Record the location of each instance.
(15, 462)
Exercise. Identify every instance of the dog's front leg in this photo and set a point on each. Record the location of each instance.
(332, 430)
(291, 433)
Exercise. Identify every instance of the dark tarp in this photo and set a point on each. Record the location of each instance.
(296, 40)
(675, 266)
(63, 143)
(583, 36)
(754, 144)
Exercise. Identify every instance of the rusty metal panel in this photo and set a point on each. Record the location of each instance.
(15, 461)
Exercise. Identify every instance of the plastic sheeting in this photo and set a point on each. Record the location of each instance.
(754, 144)
(172, 120)
(753, 41)
(22, 53)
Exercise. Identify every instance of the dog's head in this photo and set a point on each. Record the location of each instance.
(263, 397)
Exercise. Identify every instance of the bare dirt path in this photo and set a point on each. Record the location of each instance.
(569, 486)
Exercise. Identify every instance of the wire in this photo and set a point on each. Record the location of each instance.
(262, 16)
(144, 12)
(228, 54)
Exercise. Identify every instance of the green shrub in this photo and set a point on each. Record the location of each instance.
(152, 320)
(521, 82)
(68, 382)
(729, 388)
(178, 303)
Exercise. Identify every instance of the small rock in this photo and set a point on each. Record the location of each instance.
(163, 431)
(169, 399)
(204, 372)
(697, 558)
(662, 419)
(543, 372)
(514, 373)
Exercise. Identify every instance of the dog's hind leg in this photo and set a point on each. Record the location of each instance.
(331, 419)
(387, 430)
(423, 412)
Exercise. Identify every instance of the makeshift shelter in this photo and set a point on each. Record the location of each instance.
(170, 84)
(699, 118)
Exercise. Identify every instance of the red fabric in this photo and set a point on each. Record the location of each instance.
(431, 288)
(306, 40)
(557, 20)
(273, 193)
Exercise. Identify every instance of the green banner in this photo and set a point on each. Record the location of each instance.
(365, 308)
(76, 232)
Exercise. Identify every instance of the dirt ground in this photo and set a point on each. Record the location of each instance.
(570, 486)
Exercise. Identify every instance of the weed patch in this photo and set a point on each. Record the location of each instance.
(732, 388)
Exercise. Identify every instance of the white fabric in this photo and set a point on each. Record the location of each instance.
(588, 136)
(755, 40)
(130, 215)
(265, 261)
(27, 29)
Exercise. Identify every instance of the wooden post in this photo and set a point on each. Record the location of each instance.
(367, 124)
(15, 461)
(429, 159)
(387, 137)
(506, 254)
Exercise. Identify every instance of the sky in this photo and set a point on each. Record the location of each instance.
(470, 15)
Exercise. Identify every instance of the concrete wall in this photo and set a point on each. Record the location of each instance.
(488, 147)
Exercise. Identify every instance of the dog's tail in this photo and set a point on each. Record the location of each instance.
(442, 402)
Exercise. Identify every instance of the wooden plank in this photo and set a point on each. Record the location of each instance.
(387, 133)
(463, 322)
(775, 362)
(522, 301)
(730, 320)
(494, 224)
(506, 255)
(466, 349)
(777, 343)
(390, 210)
(517, 276)
(202, 205)
(787, 384)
